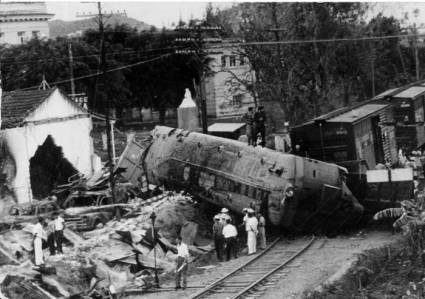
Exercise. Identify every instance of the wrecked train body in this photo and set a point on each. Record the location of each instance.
(293, 192)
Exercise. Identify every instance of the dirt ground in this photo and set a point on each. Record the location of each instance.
(326, 260)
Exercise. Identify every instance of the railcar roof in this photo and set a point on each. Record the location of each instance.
(358, 113)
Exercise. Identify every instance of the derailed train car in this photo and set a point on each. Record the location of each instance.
(293, 192)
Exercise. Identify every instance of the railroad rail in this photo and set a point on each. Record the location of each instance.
(245, 280)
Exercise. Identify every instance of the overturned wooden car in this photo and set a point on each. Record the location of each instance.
(293, 192)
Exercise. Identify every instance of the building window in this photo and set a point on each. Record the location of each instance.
(36, 34)
(223, 61)
(241, 60)
(233, 60)
(21, 35)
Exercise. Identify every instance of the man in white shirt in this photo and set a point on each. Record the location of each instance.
(181, 263)
(39, 235)
(252, 231)
(59, 227)
(230, 233)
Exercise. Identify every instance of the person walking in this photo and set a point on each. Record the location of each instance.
(252, 231)
(59, 227)
(218, 237)
(230, 233)
(261, 230)
(260, 125)
(249, 122)
(181, 263)
(39, 234)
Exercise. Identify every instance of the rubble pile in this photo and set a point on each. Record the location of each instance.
(118, 255)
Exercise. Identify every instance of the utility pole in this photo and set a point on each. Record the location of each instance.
(416, 52)
(373, 74)
(71, 70)
(109, 127)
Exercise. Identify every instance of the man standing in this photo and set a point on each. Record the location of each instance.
(261, 230)
(39, 235)
(218, 237)
(59, 227)
(249, 121)
(181, 263)
(252, 231)
(51, 236)
(260, 125)
(224, 215)
(230, 233)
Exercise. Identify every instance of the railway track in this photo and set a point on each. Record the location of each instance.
(252, 278)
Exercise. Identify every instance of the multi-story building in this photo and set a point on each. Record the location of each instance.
(21, 21)
(226, 89)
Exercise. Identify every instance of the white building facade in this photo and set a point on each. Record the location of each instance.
(226, 89)
(28, 119)
(22, 21)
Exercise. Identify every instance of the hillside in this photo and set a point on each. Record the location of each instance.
(59, 27)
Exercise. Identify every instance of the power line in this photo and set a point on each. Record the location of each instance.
(300, 41)
(91, 55)
(99, 73)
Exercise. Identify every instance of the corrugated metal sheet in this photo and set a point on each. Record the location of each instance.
(357, 113)
(411, 92)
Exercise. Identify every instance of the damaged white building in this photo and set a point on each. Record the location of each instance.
(45, 138)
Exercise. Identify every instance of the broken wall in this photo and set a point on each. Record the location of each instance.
(72, 135)
(7, 174)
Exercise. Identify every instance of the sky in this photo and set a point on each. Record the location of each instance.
(162, 13)
(158, 13)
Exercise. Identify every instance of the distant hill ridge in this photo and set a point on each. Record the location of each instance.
(61, 28)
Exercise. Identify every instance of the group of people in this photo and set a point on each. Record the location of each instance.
(255, 124)
(225, 233)
(50, 232)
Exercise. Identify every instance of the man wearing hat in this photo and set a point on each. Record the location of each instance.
(224, 216)
(252, 231)
(218, 237)
(260, 125)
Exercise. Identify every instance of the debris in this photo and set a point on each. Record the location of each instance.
(53, 282)
(207, 267)
(188, 232)
(17, 287)
(160, 254)
(6, 257)
(73, 237)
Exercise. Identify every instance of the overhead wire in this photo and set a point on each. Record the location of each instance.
(325, 40)
(99, 73)
(91, 55)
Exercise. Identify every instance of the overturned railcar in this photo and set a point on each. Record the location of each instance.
(293, 192)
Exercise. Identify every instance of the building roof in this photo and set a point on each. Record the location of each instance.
(23, 8)
(385, 93)
(16, 105)
(358, 113)
(225, 127)
(411, 92)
